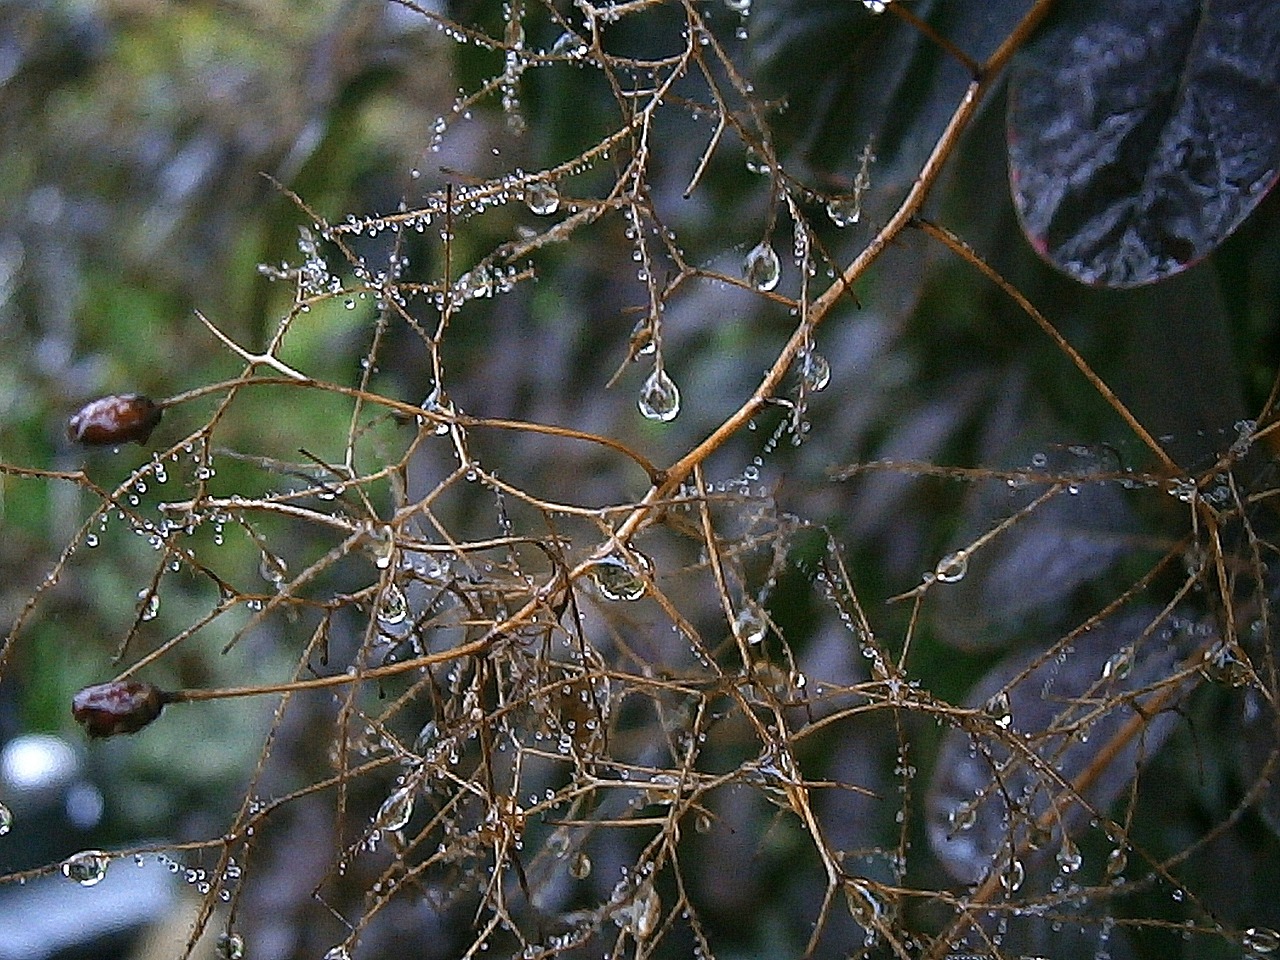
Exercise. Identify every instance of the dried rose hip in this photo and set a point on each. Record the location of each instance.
(121, 418)
(121, 706)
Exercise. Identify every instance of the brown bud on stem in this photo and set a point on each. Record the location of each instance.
(120, 706)
(120, 418)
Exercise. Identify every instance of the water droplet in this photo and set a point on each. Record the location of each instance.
(952, 567)
(272, 568)
(393, 607)
(999, 710)
(1117, 860)
(702, 823)
(438, 402)
(749, 626)
(86, 868)
(755, 163)
(337, 953)
(149, 605)
(475, 284)
(231, 946)
(6, 819)
(815, 371)
(396, 810)
(963, 817)
(426, 738)
(382, 546)
(739, 6)
(1260, 940)
(580, 866)
(761, 267)
(1012, 878)
(1223, 665)
(640, 917)
(616, 579)
(876, 6)
(659, 397)
(568, 45)
(542, 198)
(1118, 664)
(845, 211)
(1068, 856)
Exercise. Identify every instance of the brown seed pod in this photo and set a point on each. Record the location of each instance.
(120, 706)
(120, 418)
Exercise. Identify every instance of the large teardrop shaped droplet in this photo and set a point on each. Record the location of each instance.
(393, 607)
(761, 267)
(659, 397)
(395, 810)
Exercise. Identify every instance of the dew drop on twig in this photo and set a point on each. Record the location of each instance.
(952, 567)
(659, 397)
(542, 198)
(616, 579)
(395, 810)
(88, 867)
(761, 267)
(393, 607)
(231, 946)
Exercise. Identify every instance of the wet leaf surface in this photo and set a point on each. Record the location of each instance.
(1141, 133)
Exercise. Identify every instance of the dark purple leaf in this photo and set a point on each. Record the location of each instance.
(1142, 132)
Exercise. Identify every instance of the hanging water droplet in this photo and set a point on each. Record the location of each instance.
(749, 626)
(876, 6)
(999, 709)
(580, 866)
(963, 817)
(1260, 940)
(272, 568)
(426, 738)
(231, 946)
(845, 211)
(1012, 878)
(542, 198)
(6, 819)
(337, 953)
(1223, 665)
(568, 45)
(149, 605)
(1117, 860)
(761, 267)
(815, 371)
(86, 868)
(739, 6)
(616, 579)
(395, 810)
(640, 918)
(382, 546)
(475, 284)
(393, 607)
(1118, 664)
(755, 163)
(659, 397)
(952, 567)
(438, 402)
(1068, 857)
